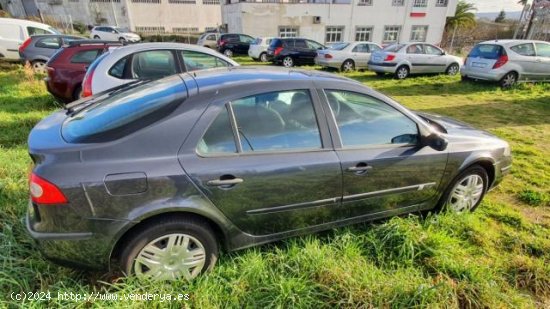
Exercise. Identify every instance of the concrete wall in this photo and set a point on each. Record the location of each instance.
(264, 19)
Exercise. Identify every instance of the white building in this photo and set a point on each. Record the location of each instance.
(328, 21)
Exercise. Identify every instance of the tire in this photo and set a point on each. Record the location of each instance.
(452, 69)
(288, 62)
(176, 231)
(380, 74)
(402, 72)
(450, 201)
(263, 57)
(122, 40)
(96, 37)
(228, 53)
(39, 67)
(77, 93)
(508, 80)
(348, 66)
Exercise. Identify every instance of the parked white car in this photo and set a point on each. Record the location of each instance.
(148, 61)
(110, 33)
(404, 59)
(13, 32)
(508, 62)
(258, 49)
(347, 56)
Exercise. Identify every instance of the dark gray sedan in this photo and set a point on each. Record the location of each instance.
(156, 177)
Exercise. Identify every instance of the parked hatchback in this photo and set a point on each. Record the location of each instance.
(148, 61)
(508, 61)
(347, 57)
(293, 51)
(66, 68)
(157, 177)
(111, 33)
(401, 60)
(231, 44)
(209, 39)
(38, 49)
(258, 49)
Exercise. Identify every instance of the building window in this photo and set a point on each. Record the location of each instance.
(146, 1)
(288, 32)
(398, 2)
(148, 29)
(334, 34)
(211, 2)
(185, 29)
(182, 1)
(105, 1)
(418, 33)
(420, 3)
(73, 0)
(391, 33)
(363, 33)
(441, 2)
(207, 29)
(365, 2)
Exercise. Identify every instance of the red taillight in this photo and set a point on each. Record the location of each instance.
(24, 45)
(500, 62)
(277, 51)
(87, 83)
(389, 57)
(328, 56)
(45, 192)
(222, 43)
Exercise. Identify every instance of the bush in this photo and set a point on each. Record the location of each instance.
(179, 38)
(80, 27)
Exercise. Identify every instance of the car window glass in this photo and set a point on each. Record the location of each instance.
(394, 48)
(314, 45)
(363, 120)
(199, 61)
(526, 49)
(277, 121)
(300, 44)
(415, 49)
(231, 37)
(117, 70)
(48, 43)
(86, 56)
(543, 50)
(486, 51)
(374, 48)
(432, 50)
(211, 37)
(153, 64)
(36, 31)
(246, 39)
(361, 48)
(218, 138)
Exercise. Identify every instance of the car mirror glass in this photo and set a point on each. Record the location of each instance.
(435, 141)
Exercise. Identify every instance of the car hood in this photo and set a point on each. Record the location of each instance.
(454, 127)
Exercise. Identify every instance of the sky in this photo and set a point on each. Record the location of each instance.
(484, 6)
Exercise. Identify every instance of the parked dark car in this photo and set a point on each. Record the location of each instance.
(67, 67)
(231, 44)
(38, 49)
(291, 52)
(156, 177)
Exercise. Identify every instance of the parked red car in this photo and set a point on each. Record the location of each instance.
(67, 67)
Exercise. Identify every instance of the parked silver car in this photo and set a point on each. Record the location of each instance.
(404, 59)
(508, 61)
(347, 56)
(258, 49)
(209, 39)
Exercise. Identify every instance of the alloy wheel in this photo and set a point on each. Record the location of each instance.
(228, 53)
(170, 257)
(466, 193)
(453, 69)
(288, 62)
(508, 80)
(348, 66)
(263, 57)
(39, 67)
(402, 72)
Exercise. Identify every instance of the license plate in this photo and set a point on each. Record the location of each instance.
(376, 59)
(479, 64)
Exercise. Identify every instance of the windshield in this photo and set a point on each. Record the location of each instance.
(122, 30)
(393, 48)
(486, 51)
(338, 46)
(125, 111)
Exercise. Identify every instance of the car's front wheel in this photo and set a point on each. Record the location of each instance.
(96, 37)
(170, 249)
(122, 40)
(288, 62)
(467, 190)
(453, 69)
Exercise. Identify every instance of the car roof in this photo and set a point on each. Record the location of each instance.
(16, 21)
(510, 42)
(220, 78)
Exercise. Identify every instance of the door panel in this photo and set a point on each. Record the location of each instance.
(543, 61)
(436, 59)
(525, 56)
(419, 61)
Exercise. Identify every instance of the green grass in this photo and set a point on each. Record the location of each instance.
(497, 257)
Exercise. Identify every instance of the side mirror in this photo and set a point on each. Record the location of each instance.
(436, 141)
(443, 53)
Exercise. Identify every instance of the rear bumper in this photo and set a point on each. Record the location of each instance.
(493, 75)
(253, 53)
(384, 67)
(329, 64)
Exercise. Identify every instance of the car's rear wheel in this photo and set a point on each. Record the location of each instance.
(263, 57)
(228, 53)
(170, 249)
(467, 190)
(509, 80)
(402, 72)
(453, 69)
(288, 62)
(39, 66)
(96, 37)
(348, 66)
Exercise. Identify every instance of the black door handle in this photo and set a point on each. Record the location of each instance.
(224, 182)
(360, 168)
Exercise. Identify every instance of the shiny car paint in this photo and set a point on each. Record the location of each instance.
(116, 185)
(358, 52)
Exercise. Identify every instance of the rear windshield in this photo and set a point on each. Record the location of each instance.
(394, 48)
(276, 43)
(124, 111)
(338, 46)
(487, 51)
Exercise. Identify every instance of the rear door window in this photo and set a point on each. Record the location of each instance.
(527, 49)
(300, 44)
(314, 45)
(199, 61)
(361, 48)
(415, 49)
(487, 51)
(153, 64)
(124, 111)
(86, 56)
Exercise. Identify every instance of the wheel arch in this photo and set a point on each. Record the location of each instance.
(487, 163)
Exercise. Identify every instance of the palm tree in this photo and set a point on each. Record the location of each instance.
(523, 12)
(463, 18)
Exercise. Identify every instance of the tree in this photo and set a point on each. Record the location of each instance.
(501, 17)
(464, 18)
